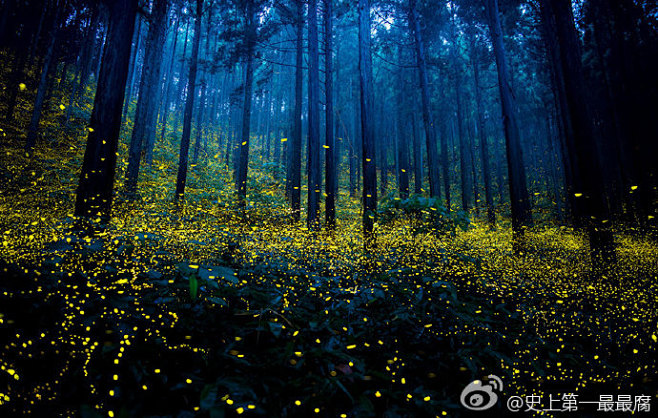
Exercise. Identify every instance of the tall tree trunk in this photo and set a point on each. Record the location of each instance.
(464, 156)
(146, 113)
(430, 133)
(43, 82)
(330, 140)
(189, 106)
(464, 141)
(445, 160)
(168, 89)
(199, 122)
(418, 156)
(484, 148)
(180, 86)
(313, 162)
(367, 136)
(521, 214)
(402, 150)
(352, 155)
(94, 193)
(133, 65)
(590, 205)
(294, 175)
(246, 106)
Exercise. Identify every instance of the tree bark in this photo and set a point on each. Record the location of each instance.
(168, 89)
(367, 136)
(43, 83)
(330, 140)
(246, 106)
(313, 161)
(521, 214)
(94, 193)
(430, 133)
(294, 176)
(189, 106)
(484, 147)
(590, 205)
(146, 113)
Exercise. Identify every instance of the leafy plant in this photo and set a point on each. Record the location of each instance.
(424, 214)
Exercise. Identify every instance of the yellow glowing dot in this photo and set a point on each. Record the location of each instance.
(111, 393)
(157, 370)
(378, 394)
(350, 347)
(110, 413)
(298, 402)
(188, 381)
(115, 377)
(144, 387)
(22, 86)
(250, 406)
(316, 410)
(426, 398)
(229, 401)
(239, 410)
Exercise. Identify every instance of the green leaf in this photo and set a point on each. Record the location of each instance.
(194, 287)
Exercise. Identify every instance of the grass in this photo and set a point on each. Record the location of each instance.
(204, 309)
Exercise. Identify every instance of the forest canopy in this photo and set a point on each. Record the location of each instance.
(333, 207)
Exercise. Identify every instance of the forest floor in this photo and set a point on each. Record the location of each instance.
(204, 309)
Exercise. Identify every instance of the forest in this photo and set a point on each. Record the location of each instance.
(334, 208)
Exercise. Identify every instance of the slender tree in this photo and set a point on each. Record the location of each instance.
(147, 103)
(44, 79)
(367, 129)
(330, 140)
(590, 205)
(294, 178)
(243, 163)
(521, 215)
(189, 105)
(428, 122)
(313, 161)
(484, 146)
(94, 194)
